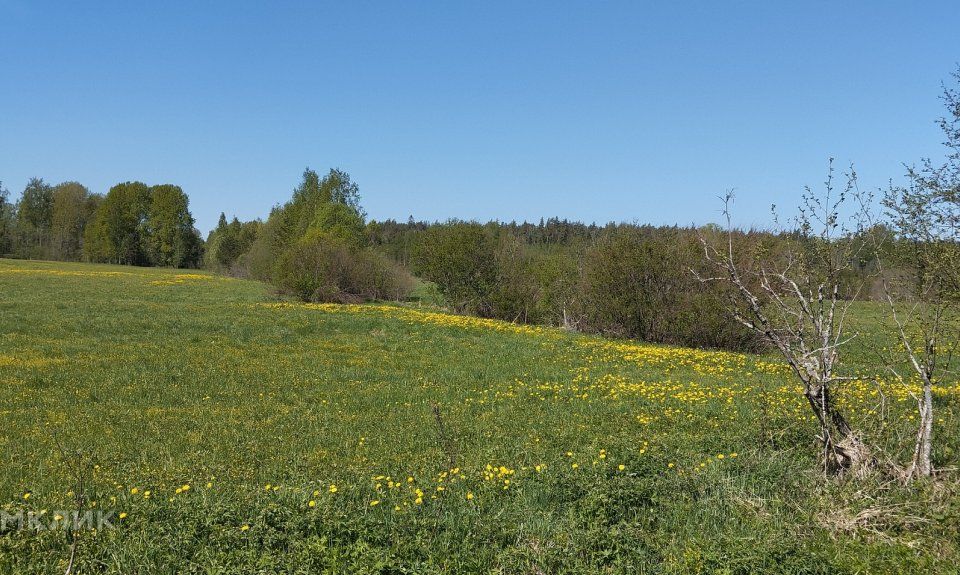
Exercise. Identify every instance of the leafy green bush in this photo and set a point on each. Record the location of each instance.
(639, 284)
(324, 268)
(460, 258)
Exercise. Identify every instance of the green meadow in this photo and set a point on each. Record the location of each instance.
(229, 431)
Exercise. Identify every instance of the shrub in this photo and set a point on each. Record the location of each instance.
(638, 284)
(323, 268)
(459, 258)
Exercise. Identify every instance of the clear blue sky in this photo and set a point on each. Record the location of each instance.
(595, 111)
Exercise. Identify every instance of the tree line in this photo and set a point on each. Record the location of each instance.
(133, 224)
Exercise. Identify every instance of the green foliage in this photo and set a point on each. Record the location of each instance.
(328, 205)
(34, 215)
(140, 225)
(326, 268)
(133, 224)
(228, 242)
(73, 207)
(171, 240)
(7, 221)
(119, 228)
(459, 258)
(312, 247)
(629, 281)
(639, 284)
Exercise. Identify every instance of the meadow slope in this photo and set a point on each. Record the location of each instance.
(237, 433)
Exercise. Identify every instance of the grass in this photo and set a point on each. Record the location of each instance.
(280, 437)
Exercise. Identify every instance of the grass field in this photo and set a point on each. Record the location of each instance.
(237, 433)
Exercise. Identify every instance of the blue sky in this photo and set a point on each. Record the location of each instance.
(594, 111)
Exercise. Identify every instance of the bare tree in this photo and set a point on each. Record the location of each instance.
(925, 215)
(929, 322)
(795, 299)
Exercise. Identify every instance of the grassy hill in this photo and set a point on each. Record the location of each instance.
(238, 433)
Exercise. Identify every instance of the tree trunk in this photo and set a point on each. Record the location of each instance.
(842, 449)
(922, 457)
